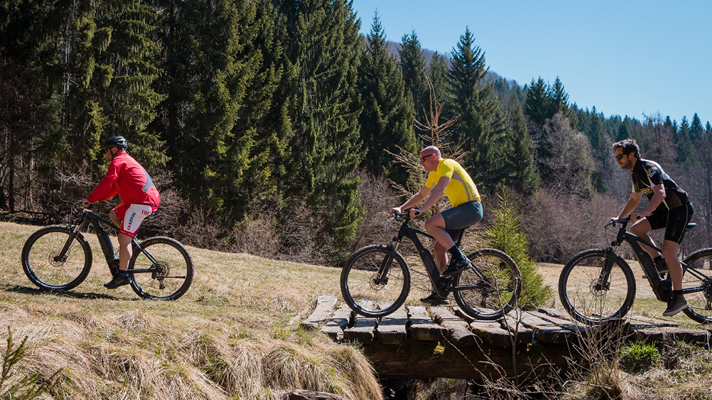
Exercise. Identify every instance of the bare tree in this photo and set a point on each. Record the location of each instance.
(433, 134)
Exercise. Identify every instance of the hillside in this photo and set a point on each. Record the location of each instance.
(233, 335)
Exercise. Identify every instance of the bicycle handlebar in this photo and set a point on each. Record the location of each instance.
(622, 221)
(75, 206)
(401, 216)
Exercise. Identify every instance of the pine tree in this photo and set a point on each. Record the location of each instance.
(387, 114)
(220, 89)
(519, 166)
(686, 154)
(413, 66)
(480, 123)
(696, 129)
(125, 73)
(559, 101)
(537, 106)
(438, 71)
(506, 235)
(28, 106)
(322, 48)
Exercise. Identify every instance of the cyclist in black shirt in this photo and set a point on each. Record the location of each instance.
(668, 207)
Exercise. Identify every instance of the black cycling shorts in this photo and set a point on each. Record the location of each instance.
(674, 221)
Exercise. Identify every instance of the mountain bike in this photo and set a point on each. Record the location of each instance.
(376, 279)
(58, 257)
(598, 285)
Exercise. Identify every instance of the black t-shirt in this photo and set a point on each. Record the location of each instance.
(647, 174)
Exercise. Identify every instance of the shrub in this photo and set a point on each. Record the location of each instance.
(506, 235)
(639, 356)
(560, 226)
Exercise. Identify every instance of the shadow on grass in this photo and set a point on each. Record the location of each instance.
(59, 293)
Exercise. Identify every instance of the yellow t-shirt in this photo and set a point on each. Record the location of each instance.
(461, 189)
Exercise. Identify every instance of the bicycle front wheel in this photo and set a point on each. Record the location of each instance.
(491, 288)
(375, 281)
(163, 270)
(697, 285)
(46, 266)
(596, 286)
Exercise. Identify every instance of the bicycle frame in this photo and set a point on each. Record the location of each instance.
(407, 231)
(90, 218)
(661, 287)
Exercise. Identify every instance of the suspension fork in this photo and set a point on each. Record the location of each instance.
(73, 232)
(606, 270)
(384, 268)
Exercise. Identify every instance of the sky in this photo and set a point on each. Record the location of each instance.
(624, 57)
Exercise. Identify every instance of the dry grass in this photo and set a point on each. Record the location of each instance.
(233, 335)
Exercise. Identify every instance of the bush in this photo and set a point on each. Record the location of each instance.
(639, 356)
(560, 226)
(506, 235)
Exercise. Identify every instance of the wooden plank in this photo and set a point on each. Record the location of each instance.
(458, 329)
(363, 330)
(649, 335)
(546, 331)
(669, 334)
(636, 321)
(422, 326)
(324, 307)
(513, 324)
(491, 332)
(335, 326)
(561, 314)
(566, 323)
(392, 328)
(640, 322)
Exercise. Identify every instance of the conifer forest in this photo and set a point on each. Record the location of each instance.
(268, 125)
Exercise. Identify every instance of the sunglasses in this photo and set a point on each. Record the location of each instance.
(422, 159)
(620, 156)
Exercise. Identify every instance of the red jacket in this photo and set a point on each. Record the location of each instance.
(129, 179)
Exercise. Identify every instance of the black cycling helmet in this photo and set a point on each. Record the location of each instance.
(116, 141)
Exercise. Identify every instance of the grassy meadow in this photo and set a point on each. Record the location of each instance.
(233, 335)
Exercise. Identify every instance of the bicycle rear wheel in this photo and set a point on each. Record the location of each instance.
(370, 293)
(167, 266)
(494, 291)
(43, 265)
(588, 295)
(699, 278)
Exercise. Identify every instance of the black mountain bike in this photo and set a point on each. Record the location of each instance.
(598, 285)
(376, 279)
(58, 257)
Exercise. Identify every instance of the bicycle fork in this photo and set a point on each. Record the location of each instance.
(603, 282)
(73, 232)
(381, 277)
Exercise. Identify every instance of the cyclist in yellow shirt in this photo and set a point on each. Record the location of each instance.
(445, 176)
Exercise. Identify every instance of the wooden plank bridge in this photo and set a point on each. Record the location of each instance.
(417, 342)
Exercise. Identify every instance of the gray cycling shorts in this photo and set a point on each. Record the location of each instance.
(462, 216)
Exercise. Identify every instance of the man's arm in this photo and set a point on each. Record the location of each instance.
(631, 205)
(436, 194)
(106, 189)
(655, 201)
(415, 199)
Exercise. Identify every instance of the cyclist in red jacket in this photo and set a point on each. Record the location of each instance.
(138, 195)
